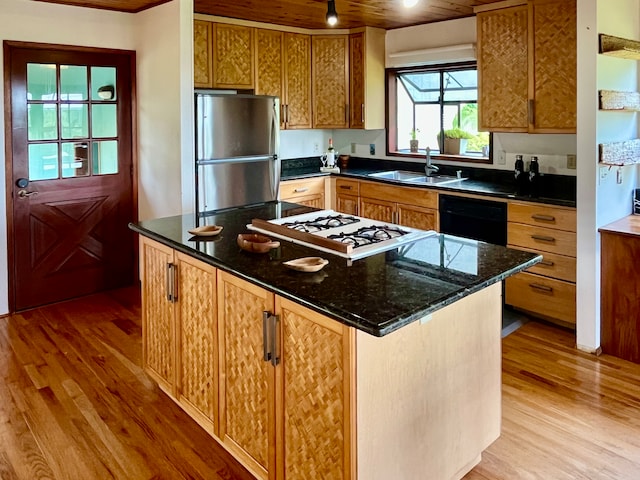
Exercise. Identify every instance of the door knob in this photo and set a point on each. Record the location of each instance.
(24, 194)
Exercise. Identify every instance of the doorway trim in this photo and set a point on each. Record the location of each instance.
(8, 48)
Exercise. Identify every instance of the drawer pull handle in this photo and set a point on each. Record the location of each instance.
(544, 288)
(346, 187)
(301, 190)
(543, 238)
(547, 263)
(544, 218)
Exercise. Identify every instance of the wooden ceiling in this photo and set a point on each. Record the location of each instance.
(385, 14)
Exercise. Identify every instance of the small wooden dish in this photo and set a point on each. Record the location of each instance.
(254, 242)
(306, 264)
(206, 231)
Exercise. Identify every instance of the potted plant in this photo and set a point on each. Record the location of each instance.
(455, 141)
(413, 143)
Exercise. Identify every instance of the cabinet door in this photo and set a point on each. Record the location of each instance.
(553, 85)
(232, 56)
(297, 91)
(503, 70)
(330, 54)
(202, 54)
(270, 66)
(247, 382)
(197, 359)
(377, 210)
(347, 204)
(158, 325)
(417, 217)
(315, 406)
(356, 80)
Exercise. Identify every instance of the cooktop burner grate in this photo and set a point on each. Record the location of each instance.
(368, 235)
(321, 223)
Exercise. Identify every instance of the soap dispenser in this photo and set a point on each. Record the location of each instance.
(520, 176)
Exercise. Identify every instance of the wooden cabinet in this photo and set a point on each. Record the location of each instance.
(527, 66)
(330, 72)
(548, 288)
(366, 79)
(306, 191)
(202, 54)
(347, 196)
(233, 56)
(412, 207)
(283, 69)
(296, 408)
(180, 330)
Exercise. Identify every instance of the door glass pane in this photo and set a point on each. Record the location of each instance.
(42, 121)
(41, 82)
(105, 157)
(43, 161)
(75, 159)
(73, 82)
(103, 83)
(104, 121)
(74, 120)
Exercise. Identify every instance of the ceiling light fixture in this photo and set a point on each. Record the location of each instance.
(332, 15)
(410, 3)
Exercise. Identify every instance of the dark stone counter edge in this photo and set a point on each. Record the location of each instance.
(470, 187)
(379, 330)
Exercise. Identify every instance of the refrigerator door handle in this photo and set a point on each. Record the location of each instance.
(256, 158)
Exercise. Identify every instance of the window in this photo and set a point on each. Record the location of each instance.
(428, 105)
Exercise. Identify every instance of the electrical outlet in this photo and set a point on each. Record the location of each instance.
(372, 148)
(353, 148)
(502, 157)
(316, 147)
(571, 161)
(602, 174)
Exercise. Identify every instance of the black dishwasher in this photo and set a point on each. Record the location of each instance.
(473, 218)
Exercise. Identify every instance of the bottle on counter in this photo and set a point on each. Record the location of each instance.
(331, 154)
(534, 176)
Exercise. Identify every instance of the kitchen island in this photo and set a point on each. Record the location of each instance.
(383, 367)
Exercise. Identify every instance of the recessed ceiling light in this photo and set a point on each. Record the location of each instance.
(409, 3)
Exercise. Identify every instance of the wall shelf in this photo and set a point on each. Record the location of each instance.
(619, 47)
(612, 100)
(620, 153)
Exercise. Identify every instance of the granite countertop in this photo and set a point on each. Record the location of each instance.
(377, 294)
(556, 189)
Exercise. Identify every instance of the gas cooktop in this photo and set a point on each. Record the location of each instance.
(342, 234)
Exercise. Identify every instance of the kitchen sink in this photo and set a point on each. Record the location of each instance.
(415, 177)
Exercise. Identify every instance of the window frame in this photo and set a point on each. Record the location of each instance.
(391, 84)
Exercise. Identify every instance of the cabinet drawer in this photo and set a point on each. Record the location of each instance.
(421, 197)
(350, 187)
(541, 238)
(545, 296)
(553, 265)
(542, 215)
(291, 189)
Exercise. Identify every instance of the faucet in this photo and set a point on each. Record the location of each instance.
(428, 167)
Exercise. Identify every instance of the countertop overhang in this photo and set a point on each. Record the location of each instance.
(378, 294)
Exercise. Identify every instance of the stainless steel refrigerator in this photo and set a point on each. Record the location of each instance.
(237, 141)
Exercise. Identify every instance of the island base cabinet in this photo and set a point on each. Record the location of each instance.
(429, 393)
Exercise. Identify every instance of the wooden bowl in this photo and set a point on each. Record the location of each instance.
(206, 231)
(254, 242)
(306, 264)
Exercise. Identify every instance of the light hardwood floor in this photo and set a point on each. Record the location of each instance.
(75, 404)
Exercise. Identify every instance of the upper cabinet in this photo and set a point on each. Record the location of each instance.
(297, 80)
(527, 66)
(232, 60)
(202, 54)
(366, 79)
(330, 72)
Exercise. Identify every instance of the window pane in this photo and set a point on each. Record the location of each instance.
(74, 119)
(422, 86)
(428, 122)
(404, 118)
(103, 82)
(105, 157)
(41, 82)
(75, 159)
(461, 86)
(104, 122)
(42, 121)
(43, 161)
(73, 83)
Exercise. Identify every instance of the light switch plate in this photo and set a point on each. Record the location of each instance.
(353, 148)
(571, 161)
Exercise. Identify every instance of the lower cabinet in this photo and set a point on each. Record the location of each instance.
(179, 328)
(347, 196)
(285, 385)
(306, 191)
